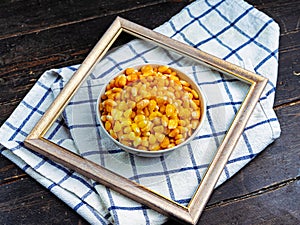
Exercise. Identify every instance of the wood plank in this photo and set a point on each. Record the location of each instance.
(23, 17)
(276, 167)
(278, 206)
(26, 202)
(24, 58)
(286, 14)
(278, 162)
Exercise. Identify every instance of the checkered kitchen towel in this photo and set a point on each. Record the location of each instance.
(231, 30)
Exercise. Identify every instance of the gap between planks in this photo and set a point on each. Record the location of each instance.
(80, 21)
(254, 194)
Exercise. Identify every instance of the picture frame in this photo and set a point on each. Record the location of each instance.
(188, 214)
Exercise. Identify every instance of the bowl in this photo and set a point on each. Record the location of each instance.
(151, 109)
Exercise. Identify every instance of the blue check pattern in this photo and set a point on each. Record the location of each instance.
(232, 30)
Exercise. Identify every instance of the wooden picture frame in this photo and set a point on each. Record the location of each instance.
(190, 213)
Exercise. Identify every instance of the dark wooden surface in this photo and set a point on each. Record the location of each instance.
(39, 35)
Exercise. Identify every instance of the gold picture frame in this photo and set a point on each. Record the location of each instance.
(190, 213)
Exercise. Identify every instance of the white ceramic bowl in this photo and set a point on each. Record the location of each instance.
(145, 153)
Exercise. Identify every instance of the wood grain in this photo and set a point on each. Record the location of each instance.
(39, 35)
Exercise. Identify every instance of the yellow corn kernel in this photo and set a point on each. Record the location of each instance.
(168, 71)
(194, 123)
(187, 88)
(195, 94)
(197, 102)
(110, 102)
(116, 114)
(170, 110)
(137, 141)
(154, 147)
(134, 91)
(182, 123)
(174, 78)
(159, 137)
(116, 90)
(146, 134)
(182, 130)
(109, 118)
(173, 123)
(165, 142)
(142, 104)
(135, 129)
(159, 129)
(185, 83)
(103, 118)
(152, 139)
(174, 132)
(129, 71)
(117, 127)
(196, 114)
(108, 125)
(108, 108)
(132, 77)
(193, 105)
(191, 96)
(171, 145)
(146, 69)
(146, 112)
(113, 134)
(162, 109)
(164, 120)
(131, 136)
(147, 127)
(122, 81)
(127, 113)
(127, 129)
(178, 136)
(162, 69)
(139, 117)
(179, 141)
(185, 113)
(143, 123)
(152, 105)
(145, 142)
(125, 142)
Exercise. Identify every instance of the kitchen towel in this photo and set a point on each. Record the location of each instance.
(232, 30)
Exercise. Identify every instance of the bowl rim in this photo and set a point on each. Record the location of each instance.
(146, 153)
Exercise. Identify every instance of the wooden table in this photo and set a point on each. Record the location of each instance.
(39, 35)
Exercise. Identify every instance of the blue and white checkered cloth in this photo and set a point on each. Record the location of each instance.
(232, 30)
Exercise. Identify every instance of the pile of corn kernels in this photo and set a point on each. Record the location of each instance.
(150, 109)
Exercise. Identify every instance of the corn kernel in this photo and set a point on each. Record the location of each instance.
(143, 123)
(159, 137)
(137, 141)
(173, 123)
(152, 139)
(159, 129)
(127, 130)
(174, 132)
(117, 127)
(164, 120)
(196, 114)
(122, 81)
(165, 142)
(135, 129)
(170, 110)
(142, 104)
(108, 125)
(129, 71)
(162, 69)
